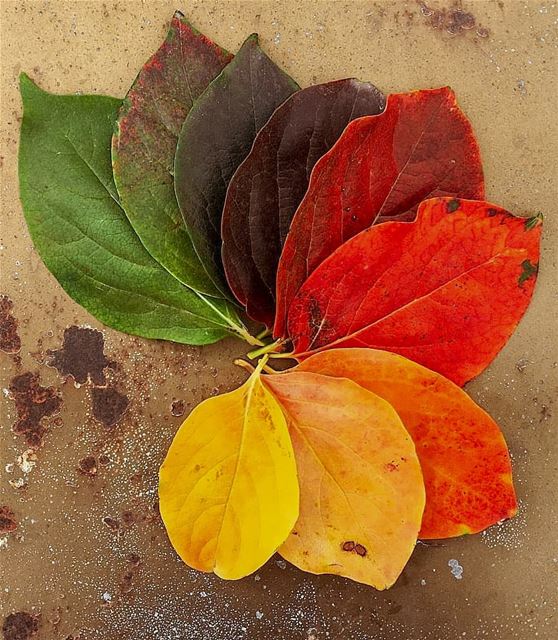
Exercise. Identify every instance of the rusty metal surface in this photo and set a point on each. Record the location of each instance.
(83, 553)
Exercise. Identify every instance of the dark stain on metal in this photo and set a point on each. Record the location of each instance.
(108, 405)
(454, 20)
(111, 523)
(178, 408)
(20, 626)
(9, 338)
(129, 518)
(126, 582)
(33, 404)
(88, 466)
(8, 522)
(82, 356)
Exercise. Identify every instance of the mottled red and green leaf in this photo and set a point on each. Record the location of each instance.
(145, 140)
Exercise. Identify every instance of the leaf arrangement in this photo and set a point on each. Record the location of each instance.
(354, 228)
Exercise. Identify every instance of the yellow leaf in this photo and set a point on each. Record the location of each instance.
(362, 493)
(228, 487)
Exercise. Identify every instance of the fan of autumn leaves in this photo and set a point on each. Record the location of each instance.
(354, 228)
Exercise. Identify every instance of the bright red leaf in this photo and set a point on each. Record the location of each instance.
(446, 291)
(382, 167)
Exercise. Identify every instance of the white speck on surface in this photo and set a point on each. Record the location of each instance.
(277, 38)
(4, 542)
(259, 615)
(456, 569)
(26, 461)
(106, 596)
(19, 483)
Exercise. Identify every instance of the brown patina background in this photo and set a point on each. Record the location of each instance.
(84, 550)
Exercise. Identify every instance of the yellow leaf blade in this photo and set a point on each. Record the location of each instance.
(362, 493)
(228, 487)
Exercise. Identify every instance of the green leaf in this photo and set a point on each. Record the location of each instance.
(216, 137)
(82, 234)
(144, 145)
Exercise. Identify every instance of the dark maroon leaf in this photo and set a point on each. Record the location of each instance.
(269, 185)
(216, 137)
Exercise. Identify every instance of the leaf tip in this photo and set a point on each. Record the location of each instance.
(253, 40)
(534, 221)
(25, 82)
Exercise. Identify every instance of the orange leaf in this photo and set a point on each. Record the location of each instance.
(462, 452)
(361, 488)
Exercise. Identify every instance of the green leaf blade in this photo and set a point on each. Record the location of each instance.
(82, 234)
(144, 145)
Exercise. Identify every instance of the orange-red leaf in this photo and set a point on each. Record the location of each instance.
(462, 452)
(446, 291)
(361, 487)
(382, 167)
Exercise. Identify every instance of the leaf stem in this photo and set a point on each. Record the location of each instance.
(265, 349)
(269, 369)
(248, 337)
(254, 369)
(286, 354)
(245, 365)
(239, 329)
(263, 334)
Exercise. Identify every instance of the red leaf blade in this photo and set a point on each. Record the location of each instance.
(381, 168)
(446, 291)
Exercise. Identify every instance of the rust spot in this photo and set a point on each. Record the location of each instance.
(178, 408)
(33, 403)
(88, 466)
(81, 356)
(9, 339)
(129, 518)
(20, 626)
(491, 212)
(108, 405)
(392, 466)
(360, 550)
(454, 20)
(348, 546)
(7, 520)
(111, 523)
(126, 581)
